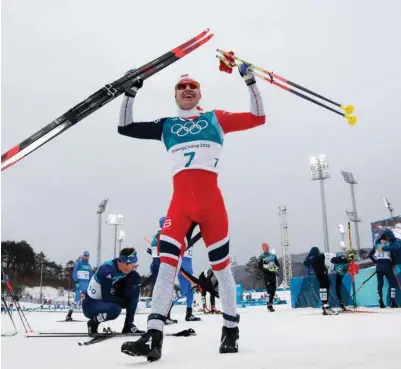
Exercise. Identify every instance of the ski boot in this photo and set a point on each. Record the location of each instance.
(142, 347)
(327, 310)
(93, 326)
(131, 328)
(393, 303)
(229, 340)
(229, 336)
(270, 307)
(68, 318)
(342, 306)
(381, 303)
(171, 321)
(191, 317)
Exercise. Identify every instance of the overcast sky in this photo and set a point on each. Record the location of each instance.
(57, 53)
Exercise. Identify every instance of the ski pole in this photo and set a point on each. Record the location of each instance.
(18, 307)
(366, 281)
(348, 109)
(8, 311)
(352, 263)
(398, 281)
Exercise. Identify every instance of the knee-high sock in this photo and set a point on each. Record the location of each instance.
(162, 294)
(227, 293)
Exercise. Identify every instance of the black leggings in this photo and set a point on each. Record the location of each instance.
(339, 280)
(324, 284)
(380, 281)
(271, 285)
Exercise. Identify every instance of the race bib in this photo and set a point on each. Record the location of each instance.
(82, 274)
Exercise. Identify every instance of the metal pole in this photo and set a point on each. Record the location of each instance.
(115, 240)
(324, 216)
(69, 289)
(356, 227)
(119, 246)
(99, 241)
(41, 282)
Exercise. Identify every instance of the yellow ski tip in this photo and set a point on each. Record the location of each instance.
(349, 109)
(351, 119)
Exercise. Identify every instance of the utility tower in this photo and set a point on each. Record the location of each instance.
(285, 245)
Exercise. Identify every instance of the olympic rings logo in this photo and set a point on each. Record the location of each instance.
(193, 128)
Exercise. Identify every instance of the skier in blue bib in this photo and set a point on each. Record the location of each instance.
(81, 275)
(381, 256)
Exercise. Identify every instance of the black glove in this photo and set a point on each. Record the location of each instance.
(246, 73)
(131, 92)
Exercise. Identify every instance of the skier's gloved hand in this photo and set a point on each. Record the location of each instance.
(132, 91)
(149, 251)
(246, 72)
(351, 257)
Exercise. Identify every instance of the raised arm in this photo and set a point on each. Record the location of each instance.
(143, 130)
(231, 122)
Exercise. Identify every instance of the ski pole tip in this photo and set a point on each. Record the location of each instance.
(351, 120)
(349, 109)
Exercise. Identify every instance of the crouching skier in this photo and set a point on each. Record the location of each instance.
(114, 286)
(194, 140)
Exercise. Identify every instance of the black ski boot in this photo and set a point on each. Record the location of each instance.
(68, 318)
(343, 308)
(270, 308)
(327, 310)
(381, 303)
(393, 303)
(229, 340)
(191, 317)
(142, 347)
(93, 326)
(132, 329)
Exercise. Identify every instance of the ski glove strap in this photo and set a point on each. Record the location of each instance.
(157, 317)
(231, 318)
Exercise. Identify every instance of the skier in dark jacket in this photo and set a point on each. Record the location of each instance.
(269, 265)
(307, 262)
(340, 267)
(315, 262)
(381, 255)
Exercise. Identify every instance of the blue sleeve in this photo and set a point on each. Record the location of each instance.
(395, 246)
(155, 240)
(105, 279)
(276, 261)
(75, 270)
(132, 284)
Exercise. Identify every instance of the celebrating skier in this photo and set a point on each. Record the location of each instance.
(194, 140)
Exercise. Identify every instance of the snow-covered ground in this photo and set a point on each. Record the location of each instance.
(289, 338)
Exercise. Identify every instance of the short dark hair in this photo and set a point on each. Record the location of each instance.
(127, 251)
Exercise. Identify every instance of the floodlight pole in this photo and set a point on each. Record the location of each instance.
(349, 178)
(319, 169)
(101, 209)
(324, 216)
